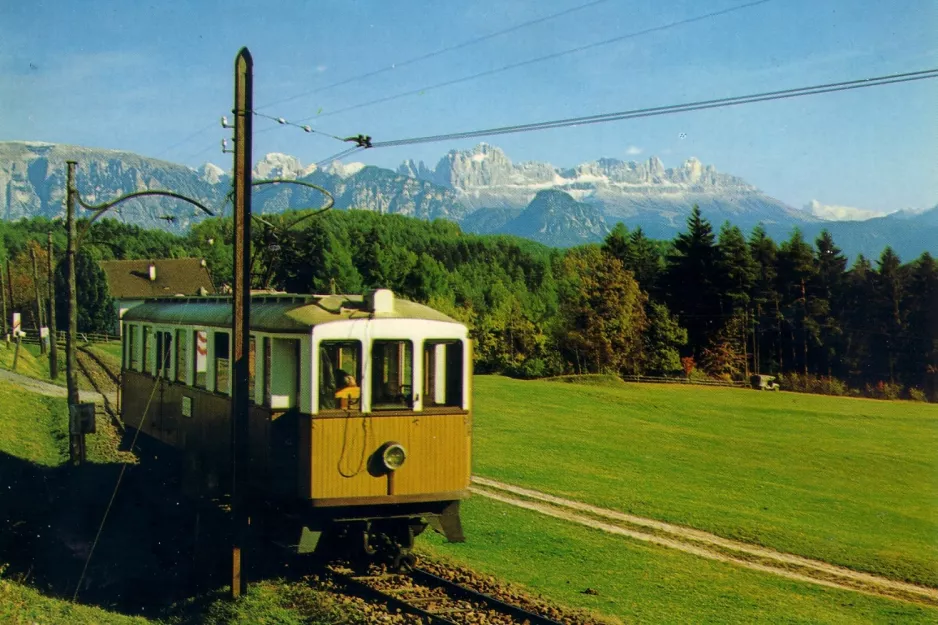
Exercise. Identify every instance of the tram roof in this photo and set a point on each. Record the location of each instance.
(274, 313)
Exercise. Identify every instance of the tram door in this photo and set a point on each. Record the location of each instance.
(166, 418)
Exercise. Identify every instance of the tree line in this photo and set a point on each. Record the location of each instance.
(714, 304)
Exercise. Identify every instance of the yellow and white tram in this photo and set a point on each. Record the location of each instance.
(360, 416)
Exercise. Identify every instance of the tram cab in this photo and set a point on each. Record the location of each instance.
(360, 405)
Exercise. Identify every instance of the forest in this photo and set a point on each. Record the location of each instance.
(712, 304)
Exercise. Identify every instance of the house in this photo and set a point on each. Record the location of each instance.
(132, 281)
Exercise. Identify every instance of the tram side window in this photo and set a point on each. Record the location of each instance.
(182, 358)
(133, 350)
(147, 349)
(199, 357)
(164, 353)
(339, 372)
(222, 362)
(392, 375)
(252, 369)
(443, 374)
(285, 373)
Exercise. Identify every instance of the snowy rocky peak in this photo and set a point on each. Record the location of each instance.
(211, 173)
(343, 170)
(486, 168)
(276, 165)
(832, 212)
(482, 166)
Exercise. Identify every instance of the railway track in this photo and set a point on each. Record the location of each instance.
(99, 375)
(434, 600)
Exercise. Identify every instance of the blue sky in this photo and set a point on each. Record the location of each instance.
(154, 78)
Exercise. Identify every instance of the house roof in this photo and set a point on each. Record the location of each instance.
(130, 279)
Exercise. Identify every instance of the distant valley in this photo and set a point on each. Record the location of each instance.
(481, 189)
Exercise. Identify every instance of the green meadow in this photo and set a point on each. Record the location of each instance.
(850, 481)
(634, 582)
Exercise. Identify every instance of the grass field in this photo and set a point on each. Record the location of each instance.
(33, 472)
(849, 481)
(641, 583)
(30, 362)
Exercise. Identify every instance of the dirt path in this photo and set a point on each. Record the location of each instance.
(47, 388)
(704, 544)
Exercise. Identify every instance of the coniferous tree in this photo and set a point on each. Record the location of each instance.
(766, 302)
(888, 314)
(692, 292)
(796, 269)
(828, 289)
(736, 273)
(921, 301)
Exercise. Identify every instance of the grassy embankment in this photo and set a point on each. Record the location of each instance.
(33, 454)
(850, 481)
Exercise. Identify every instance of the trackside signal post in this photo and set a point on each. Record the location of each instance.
(241, 314)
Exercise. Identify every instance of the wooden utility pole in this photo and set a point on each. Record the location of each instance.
(241, 317)
(3, 296)
(10, 285)
(53, 335)
(40, 318)
(76, 447)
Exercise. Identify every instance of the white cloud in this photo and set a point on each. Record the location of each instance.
(832, 212)
(321, 68)
(633, 150)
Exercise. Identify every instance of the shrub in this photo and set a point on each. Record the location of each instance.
(917, 394)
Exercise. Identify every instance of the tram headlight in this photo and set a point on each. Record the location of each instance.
(393, 456)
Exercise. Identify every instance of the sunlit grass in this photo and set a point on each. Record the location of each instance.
(849, 481)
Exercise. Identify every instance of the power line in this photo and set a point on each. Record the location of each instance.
(184, 141)
(671, 109)
(303, 127)
(341, 154)
(540, 59)
(430, 55)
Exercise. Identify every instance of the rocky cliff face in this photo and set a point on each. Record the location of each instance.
(32, 183)
(32, 180)
(480, 188)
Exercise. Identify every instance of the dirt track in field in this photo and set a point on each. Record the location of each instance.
(704, 544)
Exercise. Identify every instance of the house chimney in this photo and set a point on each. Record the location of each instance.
(152, 272)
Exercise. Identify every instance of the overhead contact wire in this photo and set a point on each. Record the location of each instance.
(671, 109)
(435, 53)
(540, 59)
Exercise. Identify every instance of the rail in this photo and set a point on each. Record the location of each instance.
(436, 600)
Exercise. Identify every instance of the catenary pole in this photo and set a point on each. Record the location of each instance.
(3, 296)
(76, 446)
(53, 335)
(241, 314)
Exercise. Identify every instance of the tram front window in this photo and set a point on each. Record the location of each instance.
(392, 366)
(339, 373)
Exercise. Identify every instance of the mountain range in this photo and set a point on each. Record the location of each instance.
(481, 189)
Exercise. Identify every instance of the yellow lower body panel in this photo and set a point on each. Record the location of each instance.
(345, 464)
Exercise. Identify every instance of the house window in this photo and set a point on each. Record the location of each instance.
(443, 374)
(181, 355)
(222, 362)
(391, 375)
(199, 357)
(339, 372)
